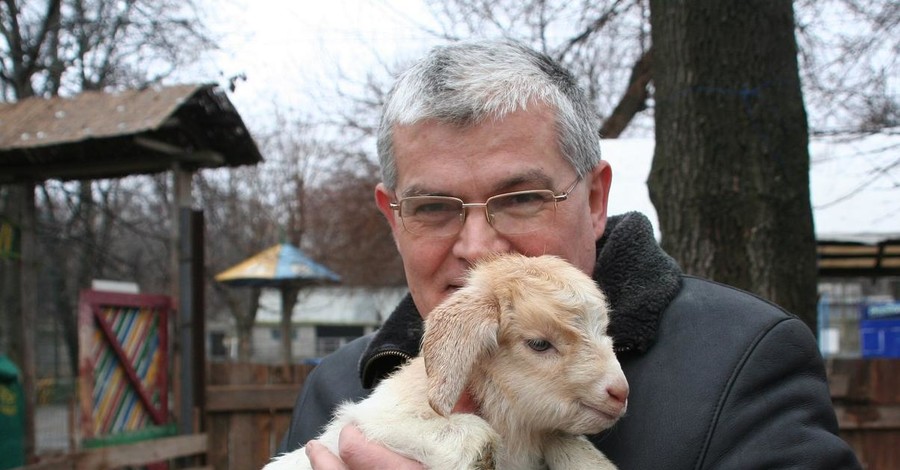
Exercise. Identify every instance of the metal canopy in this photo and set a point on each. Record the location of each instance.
(285, 267)
(97, 135)
(277, 266)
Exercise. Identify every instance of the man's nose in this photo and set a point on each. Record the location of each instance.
(477, 238)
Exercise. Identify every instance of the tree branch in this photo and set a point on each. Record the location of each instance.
(51, 22)
(595, 26)
(633, 101)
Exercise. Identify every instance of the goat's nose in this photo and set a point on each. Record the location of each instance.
(618, 390)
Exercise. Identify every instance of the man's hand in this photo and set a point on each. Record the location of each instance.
(357, 453)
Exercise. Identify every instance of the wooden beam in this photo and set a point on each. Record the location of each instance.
(230, 398)
(137, 454)
(140, 453)
(206, 157)
(846, 250)
(859, 417)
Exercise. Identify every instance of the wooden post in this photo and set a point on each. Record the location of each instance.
(198, 266)
(181, 294)
(28, 290)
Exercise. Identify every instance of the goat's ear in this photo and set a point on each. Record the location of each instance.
(458, 333)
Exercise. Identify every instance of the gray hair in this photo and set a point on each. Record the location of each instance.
(466, 82)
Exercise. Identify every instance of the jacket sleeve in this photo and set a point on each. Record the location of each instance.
(776, 411)
(332, 382)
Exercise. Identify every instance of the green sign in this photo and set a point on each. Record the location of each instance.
(10, 237)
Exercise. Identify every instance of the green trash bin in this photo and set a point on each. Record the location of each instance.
(12, 415)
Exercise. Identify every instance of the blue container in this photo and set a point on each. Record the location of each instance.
(880, 338)
(12, 416)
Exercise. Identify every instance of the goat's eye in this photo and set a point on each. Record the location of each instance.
(539, 344)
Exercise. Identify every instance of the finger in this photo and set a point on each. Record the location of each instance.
(321, 458)
(361, 454)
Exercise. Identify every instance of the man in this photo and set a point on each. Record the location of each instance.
(491, 147)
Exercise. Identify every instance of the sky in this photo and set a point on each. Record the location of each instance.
(291, 51)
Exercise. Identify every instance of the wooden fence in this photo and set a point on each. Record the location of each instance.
(248, 409)
(866, 395)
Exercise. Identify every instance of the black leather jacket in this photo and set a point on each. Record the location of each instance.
(719, 379)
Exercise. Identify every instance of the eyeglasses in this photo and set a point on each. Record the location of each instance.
(509, 213)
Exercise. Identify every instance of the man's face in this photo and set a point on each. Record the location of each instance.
(517, 153)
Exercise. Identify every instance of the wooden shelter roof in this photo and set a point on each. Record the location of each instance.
(97, 135)
(839, 258)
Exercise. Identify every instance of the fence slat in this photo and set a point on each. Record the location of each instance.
(140, 453)
(244, 398)
(884, 417)
(248, 409)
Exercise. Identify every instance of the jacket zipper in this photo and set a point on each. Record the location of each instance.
(390, 352)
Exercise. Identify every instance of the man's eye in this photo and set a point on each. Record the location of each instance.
(524, 201)
(434, 207)
(539, 345)
(526, 198)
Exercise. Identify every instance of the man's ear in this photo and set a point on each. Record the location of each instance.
(599, 181)
(383, 198)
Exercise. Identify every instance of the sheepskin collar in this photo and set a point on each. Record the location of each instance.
(639, 280)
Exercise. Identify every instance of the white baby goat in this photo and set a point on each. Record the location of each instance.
(526, 337)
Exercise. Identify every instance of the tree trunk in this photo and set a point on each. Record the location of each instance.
(289, 295)
(244, 314)
(730, 173)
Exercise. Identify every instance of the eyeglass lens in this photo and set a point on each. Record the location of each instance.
(513, 213)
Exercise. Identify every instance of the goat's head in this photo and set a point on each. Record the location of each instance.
(533, 332)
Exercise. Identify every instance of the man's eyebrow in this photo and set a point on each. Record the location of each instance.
(417, 190)
(531, 177)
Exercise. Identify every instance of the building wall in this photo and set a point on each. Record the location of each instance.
(305, 346)
(341, 314)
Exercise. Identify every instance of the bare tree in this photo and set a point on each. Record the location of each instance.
(67, 46)
(847, 49)
(240, 221)
(62, 47)
(849, 64)
(606, 43)
(346, 230)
